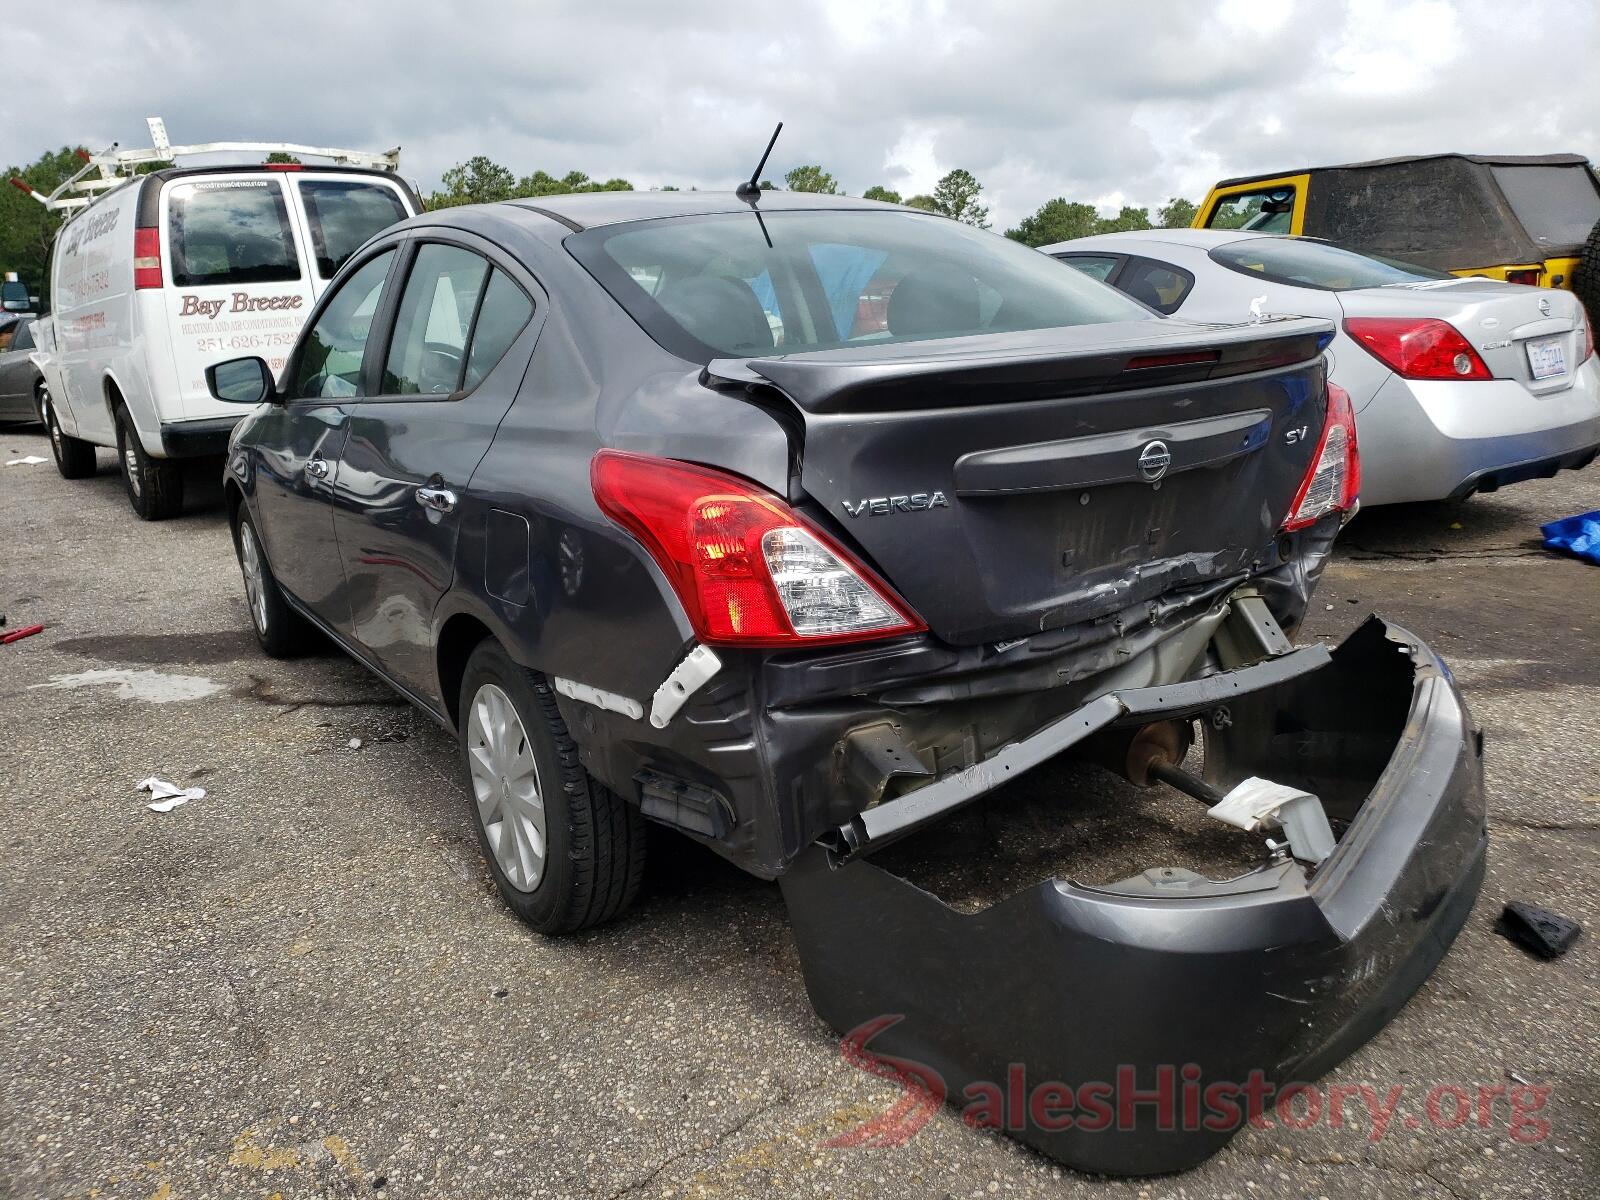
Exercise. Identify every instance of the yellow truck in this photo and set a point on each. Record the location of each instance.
(1523, 218)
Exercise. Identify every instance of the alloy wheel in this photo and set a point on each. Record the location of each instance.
(255, 586)
(505, 784)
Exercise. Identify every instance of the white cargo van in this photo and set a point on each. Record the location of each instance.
(158, 276)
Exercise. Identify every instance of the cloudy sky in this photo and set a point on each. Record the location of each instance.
(1110, 102)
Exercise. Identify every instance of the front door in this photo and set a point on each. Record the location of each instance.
(414, 444)
(300, 444)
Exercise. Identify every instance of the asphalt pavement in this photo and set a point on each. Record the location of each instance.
(304, 985)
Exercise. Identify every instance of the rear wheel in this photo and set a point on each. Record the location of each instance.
(565, 852)
(1586, 279)
(282, 632)
(74, 457)
(155, 485)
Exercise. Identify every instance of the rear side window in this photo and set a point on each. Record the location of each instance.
(1558, 206)
(1160, 285)
(428, 352)
(230, 232)
(501, 316)
(1311, 264)
(1095, 266)
(1267, 211)
(343, 215)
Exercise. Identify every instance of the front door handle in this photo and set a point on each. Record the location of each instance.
(440, 499)
(317, 468)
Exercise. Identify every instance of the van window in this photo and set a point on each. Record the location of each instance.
(428, 352)
(330, 360)
(1267, 211)
(343, 215)
(229, 232)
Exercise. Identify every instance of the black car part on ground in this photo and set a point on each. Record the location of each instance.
(1170, 979)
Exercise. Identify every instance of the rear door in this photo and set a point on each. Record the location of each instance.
(461, 337)
(340, 212)
(238, 282)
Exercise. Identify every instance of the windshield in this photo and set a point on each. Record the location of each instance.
(1312, 264)
(705, 287)
(1558, 206)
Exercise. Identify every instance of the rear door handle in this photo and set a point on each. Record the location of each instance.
(317, 468)
(440, 499)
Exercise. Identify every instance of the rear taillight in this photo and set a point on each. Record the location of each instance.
(147, 258)
(1334, 481)
(1418, 347)
(748, 570)
(1588, 334)
(1527, 275)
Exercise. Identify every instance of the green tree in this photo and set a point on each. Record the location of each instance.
(1176, 213)
(879, 192)
(811, 179)
(924, 201)
(27, 228)
(542, 183)
(1128, 218)
(1058, 220)
(957, 196)
(280, 156)
(479, 180)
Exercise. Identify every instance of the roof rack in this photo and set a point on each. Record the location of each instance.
(114, 166)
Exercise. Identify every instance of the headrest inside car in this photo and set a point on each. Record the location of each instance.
(720, 311)
(935, 299)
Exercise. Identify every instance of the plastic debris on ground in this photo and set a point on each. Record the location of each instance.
(167, 796)
(16, 635)
(1537, 930)
(1578, 536)
(27, 460)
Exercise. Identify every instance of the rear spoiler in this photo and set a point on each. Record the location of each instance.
(1034, 364)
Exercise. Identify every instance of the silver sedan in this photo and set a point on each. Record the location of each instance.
(22, 389)
(1459, 385)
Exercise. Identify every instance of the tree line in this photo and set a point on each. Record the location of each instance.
(26, 228)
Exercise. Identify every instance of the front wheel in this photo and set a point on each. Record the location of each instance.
(74, 457)
(155, 485)
(282, 632)
(565, 851)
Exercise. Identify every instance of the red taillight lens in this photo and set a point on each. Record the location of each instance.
(1588, 334)
(748, 570)
(1333, 482)
(1418, 348)
(1529, 276)
(283, 166)
(147, 258)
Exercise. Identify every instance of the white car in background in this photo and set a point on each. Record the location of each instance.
(156, 277)
(1459, 385)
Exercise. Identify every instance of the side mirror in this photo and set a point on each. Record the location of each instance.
(240, 381)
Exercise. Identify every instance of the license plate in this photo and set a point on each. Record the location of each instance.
(1547, 357)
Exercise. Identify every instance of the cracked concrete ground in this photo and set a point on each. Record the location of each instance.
(303, 985)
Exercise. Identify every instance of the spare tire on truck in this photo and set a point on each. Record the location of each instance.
(1586, 279)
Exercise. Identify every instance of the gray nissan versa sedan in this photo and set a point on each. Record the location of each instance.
(796, 522)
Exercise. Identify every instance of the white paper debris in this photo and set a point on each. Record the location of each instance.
(168, 796)
(27, 460)
(355, 743)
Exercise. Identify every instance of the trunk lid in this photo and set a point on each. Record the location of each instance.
(1010, 484)
(1500, 320)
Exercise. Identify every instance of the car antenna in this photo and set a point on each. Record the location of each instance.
(750, 189)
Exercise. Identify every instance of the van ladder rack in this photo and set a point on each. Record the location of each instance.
(114, 166)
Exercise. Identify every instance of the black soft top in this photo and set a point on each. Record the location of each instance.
(1487, 160)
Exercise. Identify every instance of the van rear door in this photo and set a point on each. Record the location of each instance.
(338, 212)
(239, 282)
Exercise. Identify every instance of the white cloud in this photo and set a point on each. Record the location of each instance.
(1134, 101)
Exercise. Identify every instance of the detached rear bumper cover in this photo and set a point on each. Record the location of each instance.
(1275, 975)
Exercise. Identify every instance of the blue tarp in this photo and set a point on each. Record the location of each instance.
(1579, 535)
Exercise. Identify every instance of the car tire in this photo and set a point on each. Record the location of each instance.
(282, 632)
(74, 456)
(566, 852)
(1586, 279)
(155, 485)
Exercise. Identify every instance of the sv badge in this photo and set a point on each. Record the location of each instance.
(878, 506)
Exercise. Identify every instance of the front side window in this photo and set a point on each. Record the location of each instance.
(428, 352)
(1304, 263)
(343, 214)
(796, 281)
(1267, 211)
(230, 231)
(331, 355)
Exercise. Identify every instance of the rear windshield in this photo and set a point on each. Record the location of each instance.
(1312, 264)
(343, 215)
(790, 282)
(230, 232)
(1558, 206)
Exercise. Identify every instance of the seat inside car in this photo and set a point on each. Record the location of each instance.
(719, 310)
(934, 299)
